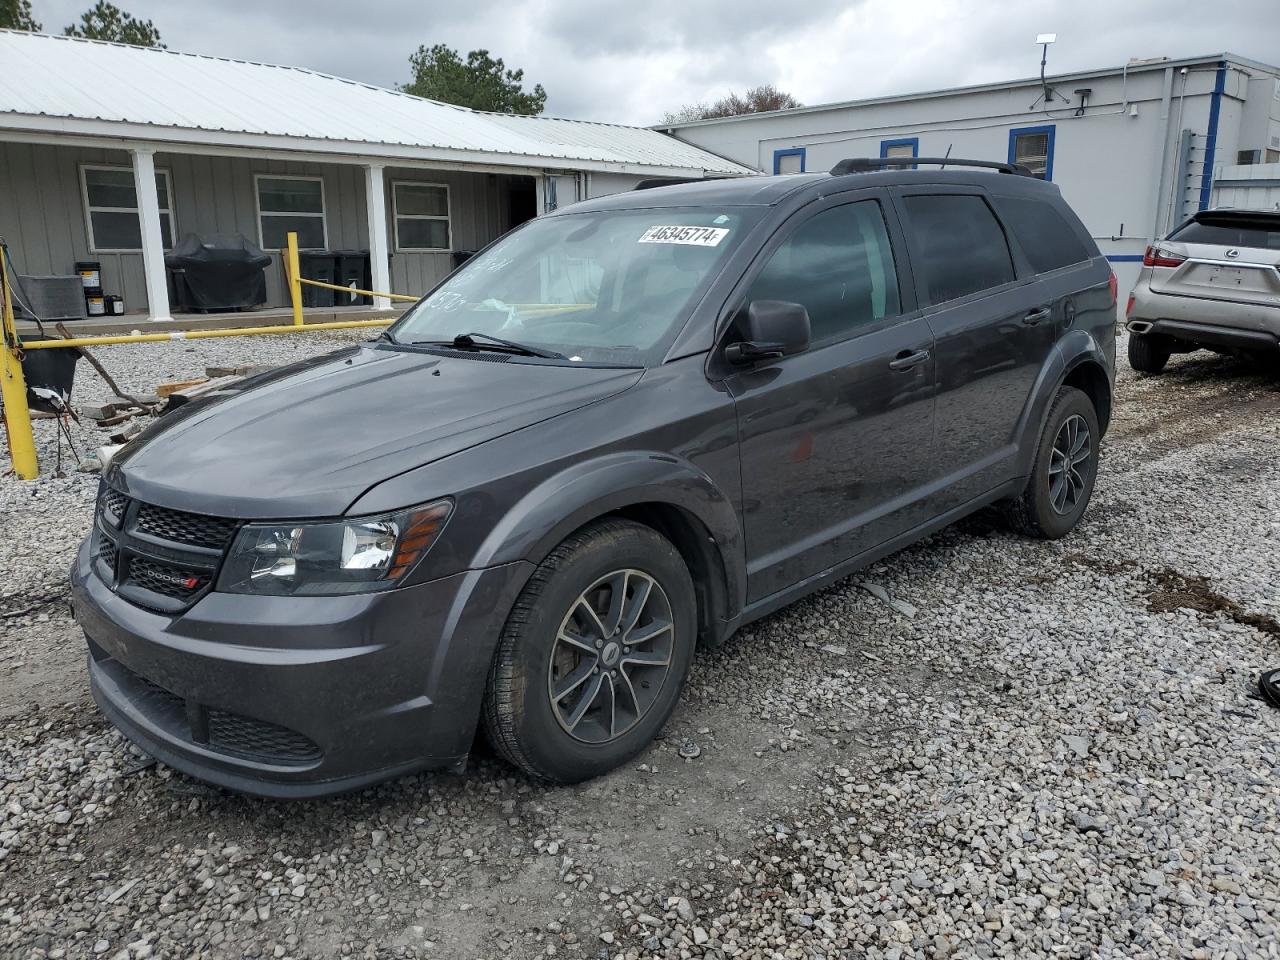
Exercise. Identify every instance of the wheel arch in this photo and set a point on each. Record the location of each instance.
(1088, 375)
(669, 495)
(1078, 361)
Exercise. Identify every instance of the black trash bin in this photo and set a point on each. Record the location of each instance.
(318, 265)
(218, 272)
(353, 270)
(51, 369)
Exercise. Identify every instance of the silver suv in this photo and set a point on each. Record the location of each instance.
(1213, 283)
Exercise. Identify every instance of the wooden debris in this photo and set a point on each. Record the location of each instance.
(195, 391)
(169, 389)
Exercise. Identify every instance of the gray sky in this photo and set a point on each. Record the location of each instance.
(629, 61)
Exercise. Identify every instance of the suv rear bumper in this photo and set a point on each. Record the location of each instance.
(294, 697)
(1207, 334)
(1200, 320)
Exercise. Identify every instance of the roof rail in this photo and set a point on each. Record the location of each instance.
(871, 164)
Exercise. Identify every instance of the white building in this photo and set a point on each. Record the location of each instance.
(1134, 149)
(110, 153)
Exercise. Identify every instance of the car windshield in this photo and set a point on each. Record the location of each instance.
(607, 287)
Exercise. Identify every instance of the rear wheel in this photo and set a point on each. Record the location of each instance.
(593, 655)
(1064, 469)
(1148, 352)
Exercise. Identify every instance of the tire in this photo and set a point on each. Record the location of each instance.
(1148, 353)
(631, 693)
(1055, 499)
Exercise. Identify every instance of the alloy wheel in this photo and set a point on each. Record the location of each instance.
(611, 657)
(1068, 463)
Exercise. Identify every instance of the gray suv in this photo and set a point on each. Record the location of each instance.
(623, 429)
(1213, 283)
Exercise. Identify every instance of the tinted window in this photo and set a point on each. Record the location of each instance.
(1044, 234)
(839, 265)
(1231, 233)
(962, 248)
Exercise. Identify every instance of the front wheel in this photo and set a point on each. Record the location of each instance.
(593, 655)
(1064, 469)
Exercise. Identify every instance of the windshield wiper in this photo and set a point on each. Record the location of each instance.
(523, 349)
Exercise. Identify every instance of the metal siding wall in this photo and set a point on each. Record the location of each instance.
(42, 216)
(477, 215)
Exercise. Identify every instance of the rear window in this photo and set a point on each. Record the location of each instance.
(1262, 234)
(962, 248)
(1044, 234)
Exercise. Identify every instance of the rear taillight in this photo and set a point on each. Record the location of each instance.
(1161, 258)
(1114, 286)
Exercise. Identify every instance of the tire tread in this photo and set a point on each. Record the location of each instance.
(500, 707)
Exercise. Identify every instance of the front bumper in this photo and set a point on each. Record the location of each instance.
(296, 697)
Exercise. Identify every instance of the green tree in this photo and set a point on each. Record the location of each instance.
(481, 83)
(756, 100)
(106, 21)
(16, 15)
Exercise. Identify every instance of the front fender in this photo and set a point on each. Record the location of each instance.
(568, 500)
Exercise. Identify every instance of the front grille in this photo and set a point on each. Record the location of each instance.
(155, 557)
(109, 556)
(257, 738)
(210, 727)
(113, 506)
(194, 529)
(166, 579)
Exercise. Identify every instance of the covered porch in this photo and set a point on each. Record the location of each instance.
(70, 203)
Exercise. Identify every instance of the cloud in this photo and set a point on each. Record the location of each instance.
(629, 62)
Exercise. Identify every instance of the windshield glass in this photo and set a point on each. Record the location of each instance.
(604, 287)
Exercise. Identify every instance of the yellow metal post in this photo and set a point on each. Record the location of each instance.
(13, 386)
(294, 272)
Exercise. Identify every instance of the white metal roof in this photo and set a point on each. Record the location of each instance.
(69, 86)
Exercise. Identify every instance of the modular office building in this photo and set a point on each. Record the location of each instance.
(1135, 149)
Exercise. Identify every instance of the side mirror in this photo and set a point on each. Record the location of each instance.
(772, 329)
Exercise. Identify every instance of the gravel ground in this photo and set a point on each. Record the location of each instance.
(1033, 750)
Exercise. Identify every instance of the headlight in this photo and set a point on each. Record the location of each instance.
(341, 556)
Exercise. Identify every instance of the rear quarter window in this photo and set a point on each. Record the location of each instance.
(1045, 235)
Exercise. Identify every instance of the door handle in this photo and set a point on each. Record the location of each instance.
(1035, 316)
(908, 359)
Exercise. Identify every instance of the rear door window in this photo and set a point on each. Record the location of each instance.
(1044, 234)
(1263, 235)
(960, 244)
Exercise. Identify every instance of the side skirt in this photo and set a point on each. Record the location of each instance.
(775, 601)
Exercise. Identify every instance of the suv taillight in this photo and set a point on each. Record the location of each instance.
(1114, 286)
(1161, 258)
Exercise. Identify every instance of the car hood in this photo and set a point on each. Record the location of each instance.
(307, 440)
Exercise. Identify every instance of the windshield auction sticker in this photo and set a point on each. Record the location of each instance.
(690, 236)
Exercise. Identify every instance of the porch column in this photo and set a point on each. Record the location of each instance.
(375, 196)
(144, 185)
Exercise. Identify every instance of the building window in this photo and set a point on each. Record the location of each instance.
(903, 147)
(789, 161)
(1033, 148)
(290, 204)
(111, 209)
(421, 212)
